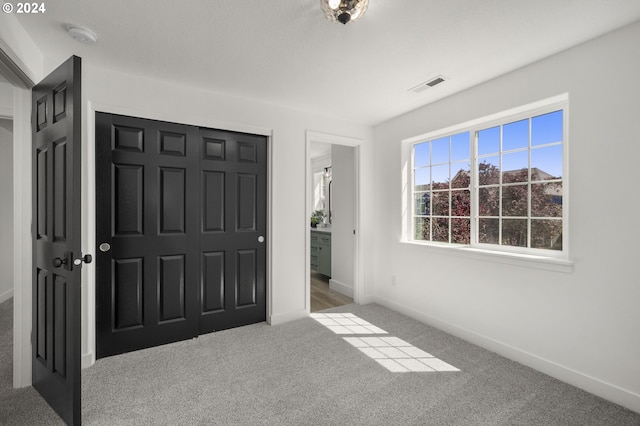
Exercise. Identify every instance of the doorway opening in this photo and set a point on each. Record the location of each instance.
(333, 212)
(6, 191)
(6, 230)
(15, 103)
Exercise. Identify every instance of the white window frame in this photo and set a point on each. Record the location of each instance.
(547, 259)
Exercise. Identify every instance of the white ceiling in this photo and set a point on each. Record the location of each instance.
(285, 52)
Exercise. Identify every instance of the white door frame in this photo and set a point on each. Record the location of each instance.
(311, 136)
(22, 244)
(22, 79)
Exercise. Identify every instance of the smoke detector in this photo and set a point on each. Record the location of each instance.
(82, 34)
(432, 82)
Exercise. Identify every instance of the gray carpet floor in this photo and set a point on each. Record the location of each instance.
(301, 373)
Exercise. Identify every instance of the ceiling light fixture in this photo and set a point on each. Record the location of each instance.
(344, 11)
(82, 34)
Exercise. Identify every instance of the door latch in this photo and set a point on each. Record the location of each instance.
(66, 261)
(87, 258)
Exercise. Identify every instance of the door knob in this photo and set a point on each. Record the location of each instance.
(66, 261)
(104, 247)
(87, 258)
(57, 262)
(261, 239)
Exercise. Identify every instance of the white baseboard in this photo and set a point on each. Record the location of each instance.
(365, 300)
(87, 360)
(342, 288)
(276, 319)
(6, 295)
(608, 391)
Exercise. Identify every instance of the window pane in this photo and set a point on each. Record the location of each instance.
(441, 229)
(489, 202)
(514, 232)
(488, 231)
(546, 128)
(460, 231)
(461, 173)
(460, 146)
(422, 203)
(421, 154)
(514, 200)
(440, 176)
(440, 151)
(515, 167)
(460, 203)
(546, 199)
(421, 231)
(422, 179)
(546, 163)
(489, 141)
(441, 203)
(517, 185)
(515, 135)
(546, 234)
(489, 171)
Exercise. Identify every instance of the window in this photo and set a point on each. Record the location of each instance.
(442, 196)
(493, 184)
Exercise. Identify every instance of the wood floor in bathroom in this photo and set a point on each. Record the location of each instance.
(322, 297)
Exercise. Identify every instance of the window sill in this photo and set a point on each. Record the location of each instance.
(516, 259)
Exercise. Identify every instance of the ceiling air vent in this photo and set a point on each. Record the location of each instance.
(427, 84)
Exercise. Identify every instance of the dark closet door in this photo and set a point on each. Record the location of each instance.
(232, 240)
(147, 257)
(181, 232)
(56, 110)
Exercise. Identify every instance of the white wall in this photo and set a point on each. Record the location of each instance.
(343, 219)
(6, 209)
(581, 326)
(20, 47)
(113, 91)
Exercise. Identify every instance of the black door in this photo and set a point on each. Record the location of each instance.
(232, 239)
(146, 175)
(178, 247)
(56, 229)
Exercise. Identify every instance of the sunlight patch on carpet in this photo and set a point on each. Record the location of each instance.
(398, 356)
(392, 353)
(346, 324)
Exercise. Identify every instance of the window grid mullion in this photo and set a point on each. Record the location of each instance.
(529, 188)
(500, 215)
(450, 206)
(412, 201)
(431, 193)
(473, 187)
